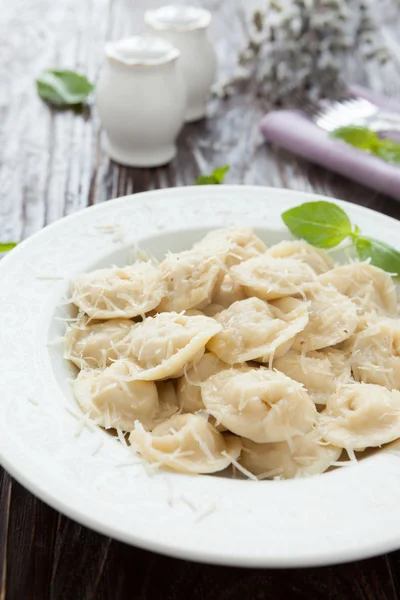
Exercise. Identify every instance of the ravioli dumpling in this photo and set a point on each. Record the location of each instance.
(227, 292)
(232, 244)
(319, 371)
(163, 345)
(303, 457)
(186, 443)
(190, 277)
(317, 259)
(268, 278)
(260, 404)
(167, 400)
(96, 345)
(188, 386)
(375, 353)
(361, 415)
(255, 330)
(332, 319)
(119, 291)
(112, 398)
(370, 288)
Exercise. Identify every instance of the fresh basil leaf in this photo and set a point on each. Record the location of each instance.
(380, 254)
(217, 177)
(8, 246)
(63, 88)
(322, 224)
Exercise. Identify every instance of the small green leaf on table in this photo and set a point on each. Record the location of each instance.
(217, 177)
(63, 88)
(7, 247)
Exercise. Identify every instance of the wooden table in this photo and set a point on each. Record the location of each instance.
(54, 163)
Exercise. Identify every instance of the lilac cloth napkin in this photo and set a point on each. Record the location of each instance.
(295, 132)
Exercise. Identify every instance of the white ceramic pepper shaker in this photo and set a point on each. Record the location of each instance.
(186, 28)
(141, 100)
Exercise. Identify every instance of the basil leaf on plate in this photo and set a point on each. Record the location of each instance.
(63, 88)
(380, 254)
(217, 177)
(322, 224)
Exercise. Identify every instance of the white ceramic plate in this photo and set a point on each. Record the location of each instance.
(82, 471)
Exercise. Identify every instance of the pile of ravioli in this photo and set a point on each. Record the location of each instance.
(271, 359)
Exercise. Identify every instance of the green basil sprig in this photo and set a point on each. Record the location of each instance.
(325, 225)
(369, 141)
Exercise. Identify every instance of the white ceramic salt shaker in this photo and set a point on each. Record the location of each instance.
(141, 100)
(186, 28)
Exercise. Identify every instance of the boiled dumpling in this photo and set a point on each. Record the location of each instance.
(370, 288)
(186, 443)
(319, 371)
(227, 292)
(332, 319)
(361, 415)
(119, 292)
(96, 345)
(232, 245)
(163, 345)
(112, 399)
(375, 353)
(190, 277)
(304, 456)
(168, 401)
(318, 259)
(269, 278)
(189, 385)
(212, 309)
(259, 404)
(253, 329)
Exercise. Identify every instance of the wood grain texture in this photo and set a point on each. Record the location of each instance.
(53, 163)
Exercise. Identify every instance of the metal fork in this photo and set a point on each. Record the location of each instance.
(332, 114)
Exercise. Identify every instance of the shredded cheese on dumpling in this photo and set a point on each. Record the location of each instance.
(190, 277)
(375, 353)
(255, 330)
(306, 457)
(96, 345)
(269, 278)
(361, 415)
(317, 259)
(233, 244)
(186, 443)
(163, 345)
(188, 385)
(370, 288)
(332, 319)
(226, 292)
(119, 291)
(171, 352)
(113, 398)
(259, 404)
(319, 371)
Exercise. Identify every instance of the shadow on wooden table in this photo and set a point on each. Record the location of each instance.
(86, 565)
